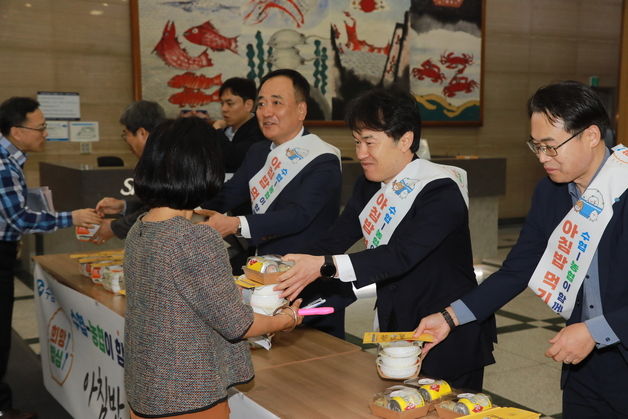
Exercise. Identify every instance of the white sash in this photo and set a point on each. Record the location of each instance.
(570, 249)
(282, 165)
(383, 213)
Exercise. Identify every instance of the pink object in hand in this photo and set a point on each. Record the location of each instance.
(315, 311)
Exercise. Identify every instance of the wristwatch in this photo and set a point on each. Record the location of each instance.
(328, 270)
(238, 232)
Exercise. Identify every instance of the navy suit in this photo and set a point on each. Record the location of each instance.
(235, 150)
(550, 204)
(302, 212)
(426, 264)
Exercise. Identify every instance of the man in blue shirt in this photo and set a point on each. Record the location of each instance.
(567, 122)
(23, 129)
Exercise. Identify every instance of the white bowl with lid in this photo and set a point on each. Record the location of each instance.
(400, 349)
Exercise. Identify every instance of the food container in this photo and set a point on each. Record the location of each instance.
(432, 389)
(399, 360)
(465, 404)
(399, 402)
(401, 348)
(265, 269)
(472, 403)
(402, 361)
(267, 304)
(398, 373)
(86, 234)
(113, 279)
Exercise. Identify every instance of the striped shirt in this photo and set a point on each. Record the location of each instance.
(16, 218)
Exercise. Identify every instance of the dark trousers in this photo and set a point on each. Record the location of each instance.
(8, 253)
(339, 295)
(596, 388)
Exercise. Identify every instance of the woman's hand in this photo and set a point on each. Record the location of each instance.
(293, 312)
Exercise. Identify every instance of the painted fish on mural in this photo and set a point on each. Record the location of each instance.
(207, 35)
(173, 54)
(194, 81)
(193, 98)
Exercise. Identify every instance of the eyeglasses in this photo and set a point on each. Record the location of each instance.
(41, 129)
(549, 150)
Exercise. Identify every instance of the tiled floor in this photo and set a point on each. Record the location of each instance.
(521, 377)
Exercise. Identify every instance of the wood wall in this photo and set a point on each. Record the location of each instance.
(58, 45)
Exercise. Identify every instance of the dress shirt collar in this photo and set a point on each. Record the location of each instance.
(573, 188)
(10, 150)
(300, 134)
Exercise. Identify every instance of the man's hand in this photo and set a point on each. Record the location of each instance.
(435, 325)
(571, 345)
(85, 217)
(109, 206)
(224, 224)
(104, 233)
(219, 124)
(205, 212)
(305, 270)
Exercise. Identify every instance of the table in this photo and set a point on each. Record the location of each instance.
(338, 386)
(307, 373)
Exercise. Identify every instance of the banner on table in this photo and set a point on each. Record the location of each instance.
(82, 350)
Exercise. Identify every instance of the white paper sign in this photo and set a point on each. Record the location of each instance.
(84, 131)
(60, 105)
(58, 130)
(82, 350)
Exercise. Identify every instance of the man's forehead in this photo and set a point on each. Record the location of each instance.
(367, 133)
(228, 94)
(277, 85)
(36, 116)
(545, 129)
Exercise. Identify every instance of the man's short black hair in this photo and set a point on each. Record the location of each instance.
(142, 114)
(392, 111)
(300, 83)
(240, 86)
(181, 165)
(575, 103)
(13, 112)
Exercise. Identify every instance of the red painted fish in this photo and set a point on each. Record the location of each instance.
(193, 98)
(207, 35)
(194, 81)
(170, 51)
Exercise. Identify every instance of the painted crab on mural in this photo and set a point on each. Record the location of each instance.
(430, 71)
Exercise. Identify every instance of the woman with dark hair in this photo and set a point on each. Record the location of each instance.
(185, 319)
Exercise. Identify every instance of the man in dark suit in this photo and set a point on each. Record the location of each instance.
(567, 121)
(413, 216)
(293, 184)
(138, 120)
(239, 125)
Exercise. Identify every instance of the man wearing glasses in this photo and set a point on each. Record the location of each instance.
(23, 129)
(572, 252)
